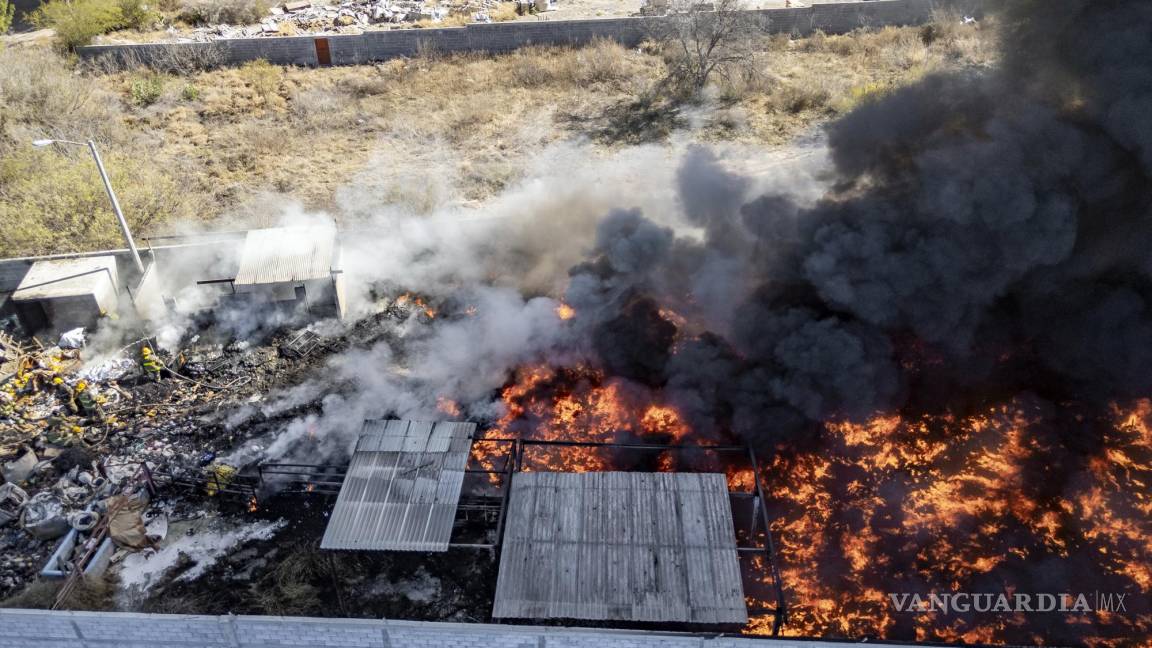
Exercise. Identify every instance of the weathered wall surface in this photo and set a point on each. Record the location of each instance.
(44, 629)
(835, 18)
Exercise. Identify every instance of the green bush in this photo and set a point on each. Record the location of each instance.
(135, 14)
(146, 90)
(7, 11)
(190, 93)
(77, 22)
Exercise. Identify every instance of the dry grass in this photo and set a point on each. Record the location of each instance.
(89, 594)
(411, 132)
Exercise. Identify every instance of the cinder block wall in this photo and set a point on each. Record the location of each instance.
(44, 629)
(502, 37)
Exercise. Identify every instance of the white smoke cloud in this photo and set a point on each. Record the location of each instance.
(502, 265)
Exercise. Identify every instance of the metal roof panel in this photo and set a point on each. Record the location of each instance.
(286, 254)
(402, 487)
(620, 546)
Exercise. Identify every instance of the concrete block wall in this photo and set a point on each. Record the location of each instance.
(371, 46)
(47, 629)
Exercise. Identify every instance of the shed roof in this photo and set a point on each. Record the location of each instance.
(286, 254)
(402, 487)
(50, 278)
(620, 546)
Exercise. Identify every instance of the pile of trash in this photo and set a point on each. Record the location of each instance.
(81, 427)
(74, 431)
(75, 524)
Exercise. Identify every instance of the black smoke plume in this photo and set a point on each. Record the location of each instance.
(974, 213)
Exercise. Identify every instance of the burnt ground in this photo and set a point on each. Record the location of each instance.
(289, 574)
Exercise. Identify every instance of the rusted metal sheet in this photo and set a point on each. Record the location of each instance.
(323, 52)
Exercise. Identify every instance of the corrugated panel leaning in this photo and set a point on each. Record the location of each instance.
(620, 546)
(402, 487)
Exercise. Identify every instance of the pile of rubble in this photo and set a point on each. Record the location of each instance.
(355, 16)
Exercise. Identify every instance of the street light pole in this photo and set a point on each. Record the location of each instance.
(111, 195)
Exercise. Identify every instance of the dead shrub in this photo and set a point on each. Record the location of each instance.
(263, 78)
(602, 61)
(467, 118)
(369, 86)
(743, 83)
(817, 41)
(794, 97)
(532, 67)
(38, 91)
(311, 108)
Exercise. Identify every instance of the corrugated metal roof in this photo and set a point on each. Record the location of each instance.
(620, 546)
(47, 279)
(402, 487)
(286, 254)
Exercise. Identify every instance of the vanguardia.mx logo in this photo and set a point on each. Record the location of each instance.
(963, 602)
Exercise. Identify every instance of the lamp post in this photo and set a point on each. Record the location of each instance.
(107, 186)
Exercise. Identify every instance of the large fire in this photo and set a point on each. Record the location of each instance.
(580, 406)
(995, 502)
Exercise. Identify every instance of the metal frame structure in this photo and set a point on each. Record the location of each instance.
(323, 479)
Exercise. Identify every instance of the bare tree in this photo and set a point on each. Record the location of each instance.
(703, 39)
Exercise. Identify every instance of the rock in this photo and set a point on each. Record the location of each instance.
(297, 5)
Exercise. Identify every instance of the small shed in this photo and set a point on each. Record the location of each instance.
(62, 294)
(292, 264)
(402, 487)
(639, 547)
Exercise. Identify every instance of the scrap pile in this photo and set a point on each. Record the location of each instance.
(76, 431)
(78, 427)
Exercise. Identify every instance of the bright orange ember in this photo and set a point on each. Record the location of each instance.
(941, 500)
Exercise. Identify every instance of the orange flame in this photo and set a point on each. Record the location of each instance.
(949, 502)
(942, 501)
(448, 406)
(417, 302)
